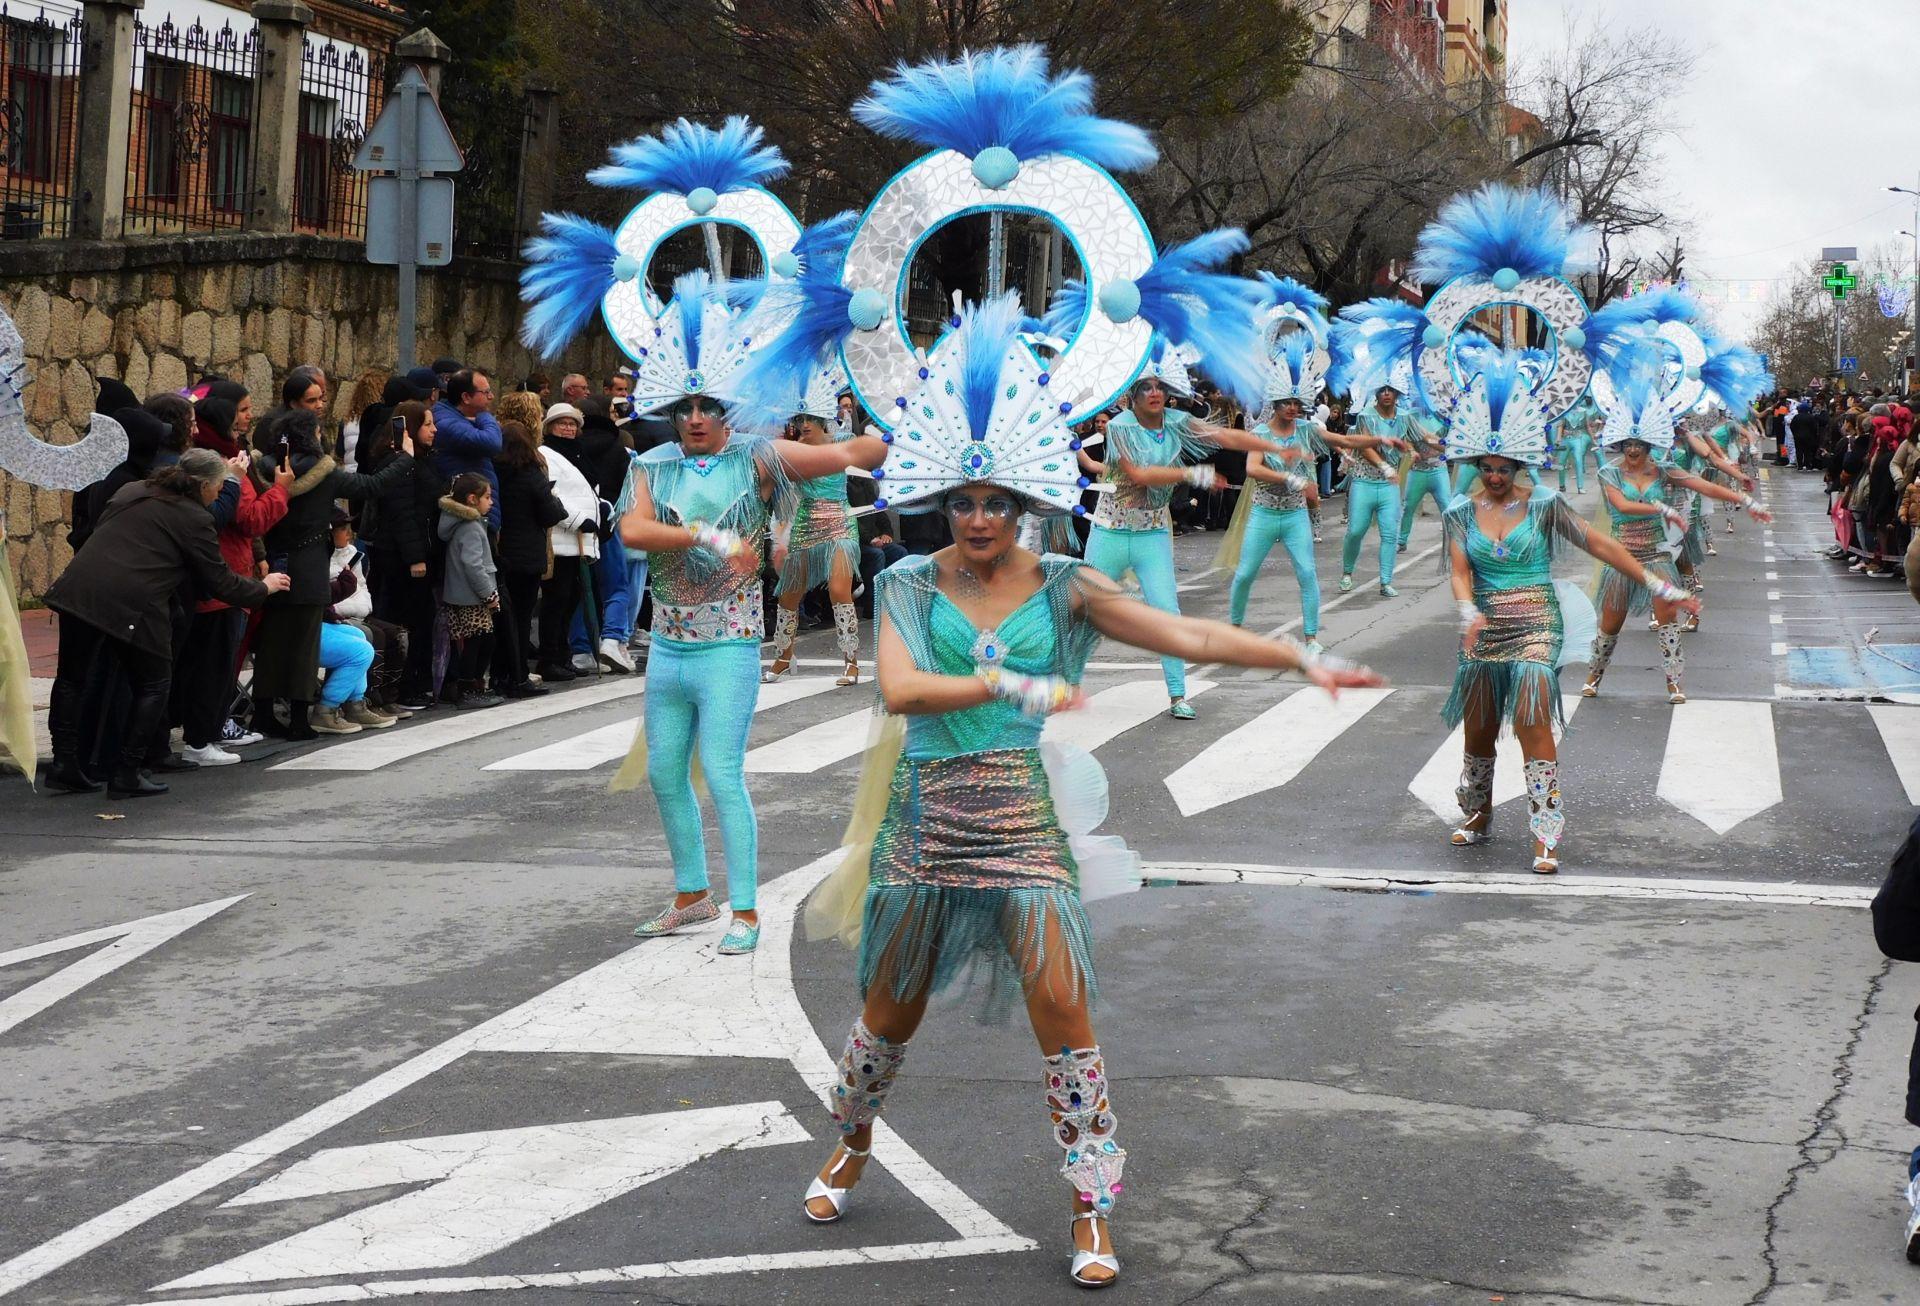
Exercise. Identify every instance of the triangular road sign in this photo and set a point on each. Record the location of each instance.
(433, 146)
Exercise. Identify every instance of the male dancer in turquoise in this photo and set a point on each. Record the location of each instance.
(1428, 475)
(700, 512)
(1373, 490)
(1132, 528)
(1576, 443)
(1283, 494)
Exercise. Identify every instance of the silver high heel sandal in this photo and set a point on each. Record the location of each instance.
(1082, 1260)
(1473, 831)
(839, 1197)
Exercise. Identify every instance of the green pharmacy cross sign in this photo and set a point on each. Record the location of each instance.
(1839, 281)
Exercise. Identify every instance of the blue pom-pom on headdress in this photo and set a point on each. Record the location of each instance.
(1285, 291)
(1001, 99)
(689, 156)
(1497, 228)
(1214, 312)
(570, 268)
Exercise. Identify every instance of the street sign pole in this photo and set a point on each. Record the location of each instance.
(409, 174)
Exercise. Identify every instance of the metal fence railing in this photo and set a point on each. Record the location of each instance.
(39, 122)
(491, 127)
(342, 88)
(190, 137)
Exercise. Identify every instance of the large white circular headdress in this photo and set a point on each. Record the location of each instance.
(31, 459)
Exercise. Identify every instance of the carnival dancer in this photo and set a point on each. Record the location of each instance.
(1576, 446)
(1639, 491)
(1426, 473)
(1275, 509)
(1739, 444)
(976, 857)
(1383, 434)
(822, 540)
(700, 507)
(1517, 626)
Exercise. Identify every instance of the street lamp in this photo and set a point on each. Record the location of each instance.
(1905, 190)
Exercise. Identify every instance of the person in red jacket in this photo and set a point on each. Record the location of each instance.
(204, 682)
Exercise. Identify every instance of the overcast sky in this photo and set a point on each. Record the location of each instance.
(1785, 89)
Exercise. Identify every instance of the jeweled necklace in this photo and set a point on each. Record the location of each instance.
(971, 586)
(1500, 549)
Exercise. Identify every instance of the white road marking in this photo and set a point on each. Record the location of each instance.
(1435, 784)
(372, 750)
(1526, 885)
(1198, 582)
(1270, 750)
(1112, 712)
(816, 747)
(1900, 731)
(125, 943)
(1779, 650)
(1722, 764)
(610, 743)
(699, 1004)
(1773, 575)
(483, 1191)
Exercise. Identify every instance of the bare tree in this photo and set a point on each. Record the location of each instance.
(1796, 331)
(1605, 104)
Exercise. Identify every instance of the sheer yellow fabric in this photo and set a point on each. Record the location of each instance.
(1228, 557)
(634, 769)
(836, 907)
(16, 704)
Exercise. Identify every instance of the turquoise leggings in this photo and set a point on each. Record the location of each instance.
(1267, 527)
(1463, 477)
(1422, 481)
(1149, 556)
(704, 694)
(1575, 453)
(1368, 502)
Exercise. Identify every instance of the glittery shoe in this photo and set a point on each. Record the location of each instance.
(1180, 710)
(1389, 592)
(1346, 583)
(678, 918)
(740, 938)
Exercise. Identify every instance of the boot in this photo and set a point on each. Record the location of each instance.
(1544, 816)
(1673, 661)
(1474, 793)
(846, 624)
(785, 627)
(1597, 663)
(332, 721)
(66, 777)
(359, 714)
(128, 782)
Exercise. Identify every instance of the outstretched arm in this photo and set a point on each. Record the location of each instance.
(1229, 437)
(1712, 490)
(1118, 615)
(809, 462)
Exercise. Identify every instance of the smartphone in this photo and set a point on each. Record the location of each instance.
(286, 451)
(622, 409)
(399, 426)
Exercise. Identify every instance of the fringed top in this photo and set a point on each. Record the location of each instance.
(697, 596)
(1306, 435)
(1048, 634)
(1171, 445)
(1525, 554)
(1657, 492)
(1372, 422)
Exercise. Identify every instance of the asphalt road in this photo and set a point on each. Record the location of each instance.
(365, 1020)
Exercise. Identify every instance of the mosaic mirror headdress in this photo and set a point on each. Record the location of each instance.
(1500, 412)
(698, 176)
(985, 409)
(1008, 136)
(31, 459)
(1294, 336)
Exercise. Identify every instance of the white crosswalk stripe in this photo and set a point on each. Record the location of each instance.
(610, 743)
(1899, 729)
(1722, 763)
(1435, 784)
(1112, 712)
(1250, 760)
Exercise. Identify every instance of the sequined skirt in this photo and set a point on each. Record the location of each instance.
(1512, 671)
(1646, 539)
(822, 529)
(970, 872)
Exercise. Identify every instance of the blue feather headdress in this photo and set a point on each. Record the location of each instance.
(1215, 313)
(1376, 343)
(569, 270)
(1493, 229)
(699, 344)
(811, 320)
(1735, 375)
(1001, 99)
(1635, 396)
(1285, 292)
(985, 412)
(688, 156)
(1068, 311)
(1498, 412)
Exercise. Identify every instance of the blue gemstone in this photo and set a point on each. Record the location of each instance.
(1079, 511)
(1074, 445)
(1066, 408)
(953, 321)
(880, 503)
(1074, 1098)
(899, 401)
(1084, 482)
(887, 438)
(879, 473)
(1045, 377)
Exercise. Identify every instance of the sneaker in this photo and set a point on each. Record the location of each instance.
(585, 663)
(1180, 710)
(330, 721)
(673, 918)
(211, 755)
(235, 735)
(557, 673)
(740, 939)
(358, 713)
(1315, 648)
(527, 689)
(414, 703)
(477, 699)
(1346, 583)
(1858, 565)
(1389, 592)
(1318, 537)
(614, 657)
(1913, 1219)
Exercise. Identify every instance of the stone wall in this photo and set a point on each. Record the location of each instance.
(158, 314)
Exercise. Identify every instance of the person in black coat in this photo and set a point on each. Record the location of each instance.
(528, 510)
(286, 651)
(397, 529)
(114, 601)
(1896, 929)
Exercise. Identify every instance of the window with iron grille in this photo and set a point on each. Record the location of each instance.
(32, 62)
(165, 90)
(313, 160)
(229, 141)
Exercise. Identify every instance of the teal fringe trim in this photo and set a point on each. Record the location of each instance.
(811, 566)
(1617, 590)
(1521, 693)
(928, 936)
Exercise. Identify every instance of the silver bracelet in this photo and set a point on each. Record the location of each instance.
(1469, 613)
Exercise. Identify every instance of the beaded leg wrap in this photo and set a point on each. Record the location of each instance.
(1083, 1125)
(846, 625)
(785, 627)
(1671, 657)
(1475, 790)
(1544, 816)
(1695, 586)
(1602, 654)
(867, 1070)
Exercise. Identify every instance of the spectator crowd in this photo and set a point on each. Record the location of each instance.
(1866, 449)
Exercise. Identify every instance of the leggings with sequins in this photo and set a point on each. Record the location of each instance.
(1149, 556)
(702, 696)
